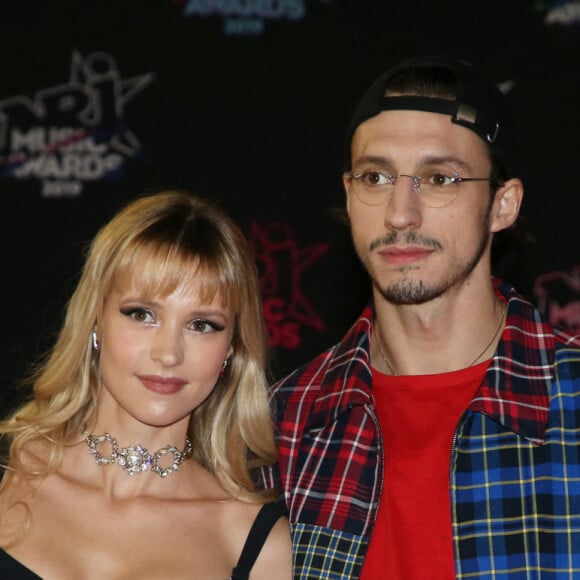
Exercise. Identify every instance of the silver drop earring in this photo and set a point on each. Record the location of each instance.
(96, 345)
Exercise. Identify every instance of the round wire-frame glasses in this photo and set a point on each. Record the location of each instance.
(434, 188)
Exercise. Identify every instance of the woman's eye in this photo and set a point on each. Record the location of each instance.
(138, 314)
(204, 325)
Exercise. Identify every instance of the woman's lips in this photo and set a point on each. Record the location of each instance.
(162, 385)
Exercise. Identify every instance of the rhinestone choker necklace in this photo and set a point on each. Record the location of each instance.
(136, 458)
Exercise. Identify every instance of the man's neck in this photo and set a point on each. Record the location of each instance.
(445, 334)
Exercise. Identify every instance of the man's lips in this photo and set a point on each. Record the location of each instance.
(407, 255)
(162, 385)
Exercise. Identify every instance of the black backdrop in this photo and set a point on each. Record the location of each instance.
(246, 101)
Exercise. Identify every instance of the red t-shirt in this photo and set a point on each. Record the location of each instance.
(412, 537)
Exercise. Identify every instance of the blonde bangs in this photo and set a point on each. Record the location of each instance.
(159, 269)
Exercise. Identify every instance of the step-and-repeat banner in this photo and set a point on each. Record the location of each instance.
(246, 101)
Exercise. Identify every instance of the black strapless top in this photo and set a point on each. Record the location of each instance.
(11, 569)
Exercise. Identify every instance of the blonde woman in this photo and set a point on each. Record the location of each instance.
(135, 456)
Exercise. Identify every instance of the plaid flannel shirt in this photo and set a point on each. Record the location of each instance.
(515, 459)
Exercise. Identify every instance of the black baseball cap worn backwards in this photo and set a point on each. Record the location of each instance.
(478, 105)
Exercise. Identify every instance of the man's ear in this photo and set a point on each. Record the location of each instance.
(506, 205)
(346, 182)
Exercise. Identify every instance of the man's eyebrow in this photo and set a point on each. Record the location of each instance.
(372, 159)
(428, 160)
(446, 160)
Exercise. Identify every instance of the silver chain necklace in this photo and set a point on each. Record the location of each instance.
(502, 319)
(135, 459)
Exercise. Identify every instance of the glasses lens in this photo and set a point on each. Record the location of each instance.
(371, 187)
(438, 189)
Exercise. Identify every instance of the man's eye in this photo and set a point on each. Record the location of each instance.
(441, 179)
(376, 178)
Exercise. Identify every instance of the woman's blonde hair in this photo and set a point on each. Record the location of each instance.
(173, 236)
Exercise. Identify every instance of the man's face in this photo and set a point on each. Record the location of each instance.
(415, 253)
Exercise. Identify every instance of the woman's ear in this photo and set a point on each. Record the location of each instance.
(506, 205)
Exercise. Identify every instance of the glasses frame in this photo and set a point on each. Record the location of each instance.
(416, 179)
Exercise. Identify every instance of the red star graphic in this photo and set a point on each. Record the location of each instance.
(282, 264)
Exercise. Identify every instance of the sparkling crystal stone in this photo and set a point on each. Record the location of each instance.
(133, 457)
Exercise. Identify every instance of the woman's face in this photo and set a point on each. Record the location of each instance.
(161, 356)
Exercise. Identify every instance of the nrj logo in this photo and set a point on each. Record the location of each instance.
(562, 13)
(282, 264)
(245, 17)
(71, 133)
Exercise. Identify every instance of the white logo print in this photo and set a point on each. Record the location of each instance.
(72, 133)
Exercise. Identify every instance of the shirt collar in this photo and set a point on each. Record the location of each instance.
(515, 389)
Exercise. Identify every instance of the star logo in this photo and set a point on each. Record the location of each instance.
(282, 264)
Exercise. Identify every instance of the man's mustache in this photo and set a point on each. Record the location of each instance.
(411, 238)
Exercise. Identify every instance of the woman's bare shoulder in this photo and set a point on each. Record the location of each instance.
(275, 559)
(14, 511)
